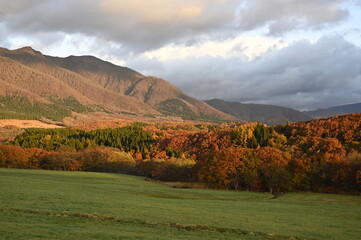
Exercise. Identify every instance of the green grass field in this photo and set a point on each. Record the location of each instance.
(37, 204)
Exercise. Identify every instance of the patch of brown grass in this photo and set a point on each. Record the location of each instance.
(16, 123)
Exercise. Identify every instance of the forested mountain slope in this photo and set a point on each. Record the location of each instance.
(54, 87)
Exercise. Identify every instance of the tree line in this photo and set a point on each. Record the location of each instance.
(128, 139)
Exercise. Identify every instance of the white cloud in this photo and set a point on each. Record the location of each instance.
(251, 47)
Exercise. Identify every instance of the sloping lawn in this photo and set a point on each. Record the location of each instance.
(38, 204)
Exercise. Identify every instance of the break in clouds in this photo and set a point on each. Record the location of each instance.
(303, 75)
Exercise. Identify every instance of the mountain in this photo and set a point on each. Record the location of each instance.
(333, 111)
(33, 85)
(268, 114)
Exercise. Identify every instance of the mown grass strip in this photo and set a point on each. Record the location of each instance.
(143, 222)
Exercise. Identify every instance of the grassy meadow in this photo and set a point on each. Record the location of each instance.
(38, 204)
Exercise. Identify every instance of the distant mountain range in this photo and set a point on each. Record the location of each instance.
(333, 111)
(272, 115)
(269, 114)
(33, 85)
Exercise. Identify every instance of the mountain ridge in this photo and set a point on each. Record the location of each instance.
(88, 80)
(250, 112)
(335, 110)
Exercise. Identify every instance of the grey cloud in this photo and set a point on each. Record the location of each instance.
(139, 25)
(302, 76)
(14, 6)
(282, 16)
(138, 29)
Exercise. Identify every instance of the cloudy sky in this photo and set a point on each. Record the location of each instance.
(304, 54)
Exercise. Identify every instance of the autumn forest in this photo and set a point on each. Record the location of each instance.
(319, 155)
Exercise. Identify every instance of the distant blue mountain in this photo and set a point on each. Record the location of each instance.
(268, 114)
(333, 111)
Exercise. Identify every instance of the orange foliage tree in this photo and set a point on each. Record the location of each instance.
(13, 157)
(222, 170)
(272, 165)
(232, 167)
